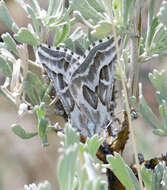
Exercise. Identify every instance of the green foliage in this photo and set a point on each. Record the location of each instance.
(10, 43)
(92, 145)
(158, 80)
(157, 178)
(27, 37)
(34, 88)
(19, 131)
(123, 172)
(6, 69)
(82, 174)
(25, 88)
(6, 18)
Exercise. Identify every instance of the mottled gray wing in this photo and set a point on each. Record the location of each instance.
(91, 86)
(59, 63)
(84, 84)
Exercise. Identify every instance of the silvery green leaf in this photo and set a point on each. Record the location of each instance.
(40, 110)
(97, 4)
(150, 33)
(158, 79)
(159, 176)
(86, 10)
(5, 67)
(146, 111)
(6, 18)
(35, 21)
(159, 132)
(42, 127)
(93, 144)
(34, 88)
(150, 23)
(103, 28)
(146, 177)
(159, 35)
(61, 34)
(123, 172)
(34, 4)
(10, 43)
(19, 131)
(163, 114)
(67, 167)
(126, 10)
(3, 45)
(162, 14)
(71, 137)
(70, 44)
(89, 166)
(27, 37)
(159, 97)
(55, 7)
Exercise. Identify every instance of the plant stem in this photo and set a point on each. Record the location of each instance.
(127, 103)
(134, 73)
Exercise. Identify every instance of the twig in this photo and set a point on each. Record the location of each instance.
(126, 102)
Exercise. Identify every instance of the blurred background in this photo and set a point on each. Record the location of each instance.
(26, 161)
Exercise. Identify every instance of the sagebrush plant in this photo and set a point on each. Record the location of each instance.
(30, 94)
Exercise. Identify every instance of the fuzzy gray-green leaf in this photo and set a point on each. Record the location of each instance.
(5, 67)
(93, 144)
(163, 114)
(103, 28)
(127, 8)
(123, 172)
(42, 127)
(87, 11)
(40, 110)
(61, 34)
(54, 6)
(10, 43)
(34, 88)
(19, 131)
(159, 81)
(147, 177)
(71, 136)
(27, 37)
(66, 167)
(162, 15)
(34, 19)
(35, 5)
(6, 18)
(146, 112)
(159, 132)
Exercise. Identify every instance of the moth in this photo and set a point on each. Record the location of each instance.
(84, 84)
